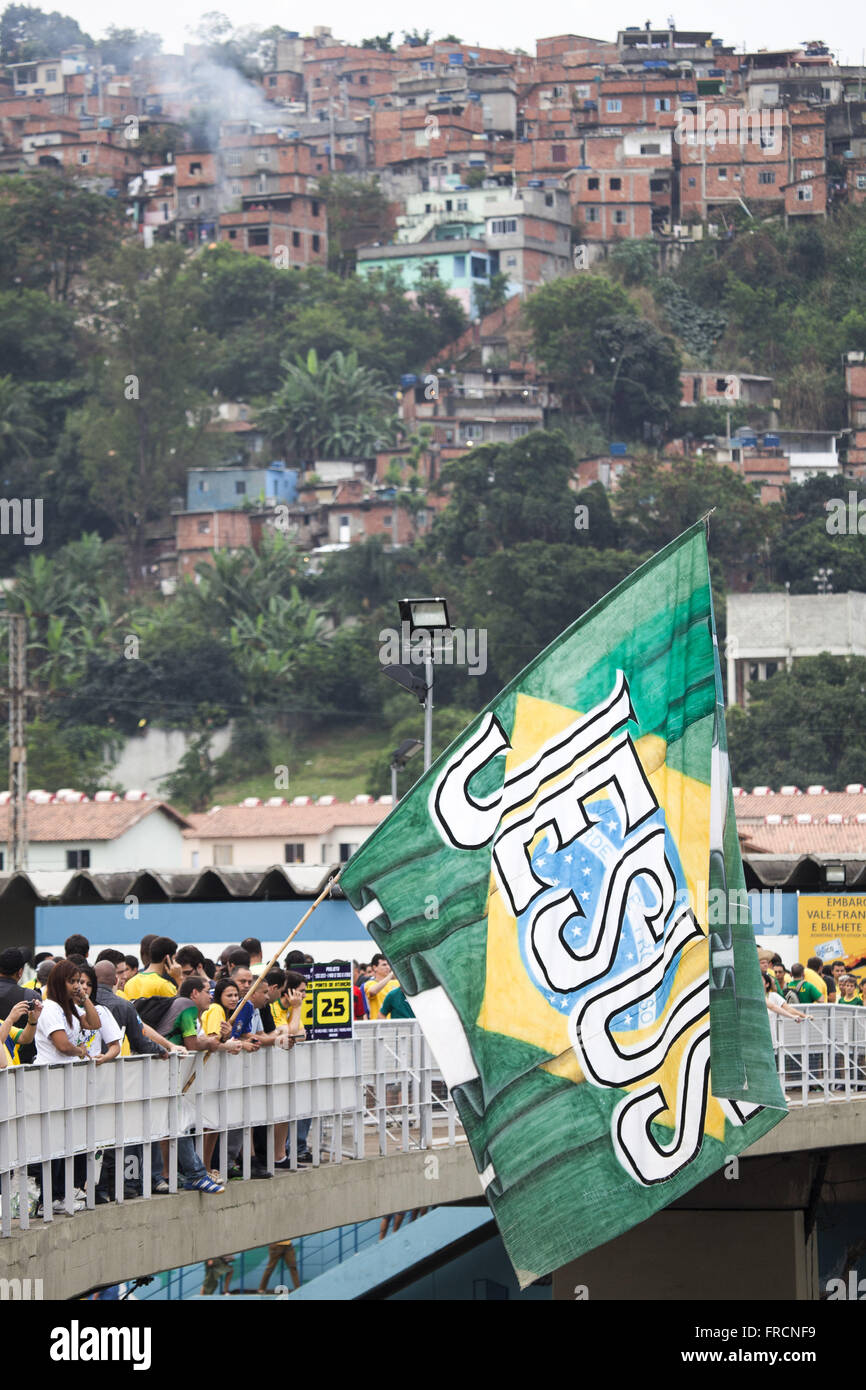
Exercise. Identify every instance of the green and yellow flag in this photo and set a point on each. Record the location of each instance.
(562, 898)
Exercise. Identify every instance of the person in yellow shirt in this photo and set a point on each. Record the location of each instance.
(812, 973)
(380, 986)
(163, 975)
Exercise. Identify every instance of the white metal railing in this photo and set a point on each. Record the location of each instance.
(380, 1092)
(824, 1057)
(51, 1114)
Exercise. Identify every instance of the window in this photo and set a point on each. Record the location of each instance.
(233, 233)
(237, 187)
(204, 528)
(477, 267)
(316, 241)
(861, 181)
(346, 852)
(83, 157)
(263, 156)
(511, 260)
(296, 238)
(826, 95)
(240, 486)
(615, 185)
(2, 860)
(721, 384)
(592, 184)
(518, 431)
(470, 431)
(363, 79)
(258, 236)
(692, 183)
(658, 185)
(619, 216)
(78, 859)
(501, 225)
(650, 149)
(194, 200)
(50, 74)
(272, 81)
(317, 81)
(459, 267)
(766, 176)
(662, 103)
(462, 204)
(558, 154)
(293, 854)
(315, 207)
(234, 159)
(613, 104)
(195, 168)
(804, 195)
(387, 520)
(723, 173)
(559, 91)
(223, 854)
(591, 214)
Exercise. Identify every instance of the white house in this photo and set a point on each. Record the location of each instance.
(99, 835)
(301, 832)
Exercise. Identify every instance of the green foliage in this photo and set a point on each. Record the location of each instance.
(144, 416)
(808, 540)
(68, 756)
(490, 297)
(334, 409)
(50, 228)
(448, 724)
(656, 502)
(357, 216)
(28, 33)
(503, 494)
(635, 262)
(802, 726)
(700, 328)
(381, 42)
(608, 364)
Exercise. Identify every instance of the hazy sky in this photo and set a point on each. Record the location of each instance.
(740, 21)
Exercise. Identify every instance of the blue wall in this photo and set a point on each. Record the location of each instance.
(189, 923)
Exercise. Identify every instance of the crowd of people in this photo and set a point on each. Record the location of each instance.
(63, 1009)
(816, 982)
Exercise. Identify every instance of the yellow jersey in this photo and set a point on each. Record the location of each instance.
(375, 1001)
(146, 984)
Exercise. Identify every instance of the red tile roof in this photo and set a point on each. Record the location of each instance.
(752, 809)
(86, 820)
(825, 840)
(259, 822)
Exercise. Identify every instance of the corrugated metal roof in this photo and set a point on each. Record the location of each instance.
(149, 885)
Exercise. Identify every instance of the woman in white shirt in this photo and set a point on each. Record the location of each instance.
(68, 1017)
(68, 1029)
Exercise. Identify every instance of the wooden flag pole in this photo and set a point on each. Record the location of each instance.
(271, 963)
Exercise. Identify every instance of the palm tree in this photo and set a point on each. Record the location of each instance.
(330, 410)
(19, 429)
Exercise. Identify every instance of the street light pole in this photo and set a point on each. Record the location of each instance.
(428, 707)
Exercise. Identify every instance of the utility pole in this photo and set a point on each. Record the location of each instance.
(17, 694)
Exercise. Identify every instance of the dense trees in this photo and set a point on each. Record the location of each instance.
(608, 363)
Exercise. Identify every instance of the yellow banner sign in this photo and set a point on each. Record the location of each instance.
(831, 925)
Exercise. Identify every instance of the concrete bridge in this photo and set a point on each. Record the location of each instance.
(385, 1137)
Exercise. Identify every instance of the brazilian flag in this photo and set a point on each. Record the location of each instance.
(562, 899)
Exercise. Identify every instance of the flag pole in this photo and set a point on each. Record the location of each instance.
(274, 958)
